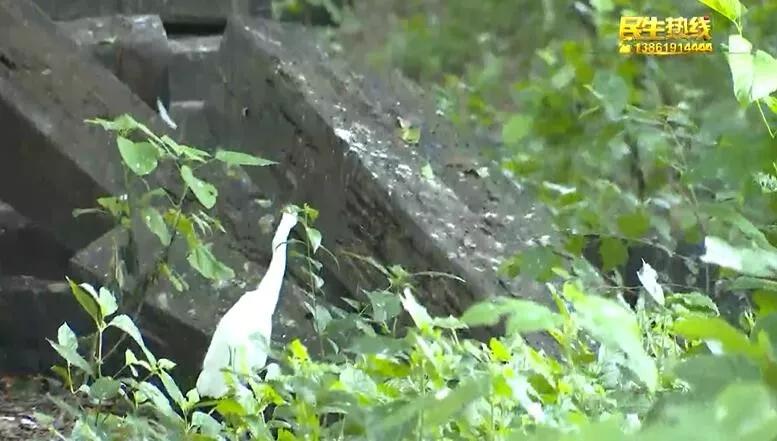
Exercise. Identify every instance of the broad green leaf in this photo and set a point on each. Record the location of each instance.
(356, 381)
(731, 9)
(205, 192)
(526, 316)
(125, 323)
(483, 314)
(156, 223)
(523, 315)
(184, 151)
(172, 389)
(158, 399)
(322, 317)
(385, 305)
(746, 411)
(709, 374)
(612, 91)
(616, 328)
(88, 301)
(613, 253)
(766, 301)
(498, 350)
(719, 332)
(634, 225)
(107, 302)
(747, 283)
(298, 350)
(764, 75)
(67, 347)
(749, 261)
(536, 262)
(740, 61)
(766, 323)
(203, 260)
(140, 157)
(314, 238)
(208, 425)
(516, 128)
(104, 388)
(440, 410)
(239, 158)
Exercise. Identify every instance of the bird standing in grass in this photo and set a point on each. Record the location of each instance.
(234, 344)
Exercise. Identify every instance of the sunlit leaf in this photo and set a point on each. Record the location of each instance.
(202, 259)
(731, 9)
(240, 158)
(140, 157)
(156, 223)
(205, 192)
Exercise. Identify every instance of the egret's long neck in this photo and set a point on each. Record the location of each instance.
(270, 286)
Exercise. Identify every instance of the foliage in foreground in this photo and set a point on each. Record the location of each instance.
(670, 368)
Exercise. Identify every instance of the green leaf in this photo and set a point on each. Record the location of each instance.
(410, 133)
(714, 329)
(67, 347)
(616, 328)
(158, 400)
(205, 192)
(208, 425)
(239, 158)
(172, 389)
(184, 151)
(104, 388)
(745, 260)
(156, 223)
(523, 315)
(88, 301)
(140, 157)
(747, 412)
(709, 374)
(613, 252)
(740, 61)
(766, 301)
(731, 9)
(516, 128)
(314, 238)
(107, 302)
(385, 305)
(764, 75)
(483, 314)
(634, 225)
(747, 283)
(125, 323)
(612, 91)
(203, 260)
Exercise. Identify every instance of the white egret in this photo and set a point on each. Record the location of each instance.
(233, 345)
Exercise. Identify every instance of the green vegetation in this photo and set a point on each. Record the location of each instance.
(641, 153)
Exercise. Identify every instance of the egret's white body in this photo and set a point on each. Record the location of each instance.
(234, 344)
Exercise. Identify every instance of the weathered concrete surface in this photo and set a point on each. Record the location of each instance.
(52, 161)
(281, 97)
(193, 125)
(26, 249)
(134, 48)
(175, 11)
(194, 67)
(31, 310)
